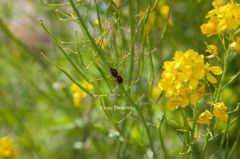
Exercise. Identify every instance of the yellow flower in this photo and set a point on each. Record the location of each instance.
(210, 28)
(156, 92)
(220, 111)
(165, 10)
(78, 94)
(96, 22)
(151, 21)
(75, 88)
(159, 16)
(215, 70)
(117, 2)
(102, 43)
(174, 103)
(212, 49)
(236, 45)
(218, 3)
(87, 85)
(221, 18)
(204, 117)
(77, 98)
(182, 78)
(7, 148)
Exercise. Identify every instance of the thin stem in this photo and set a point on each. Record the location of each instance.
(65, 72)
(143, 120)
(85, 30)
(205, 145)
(151, 65)
(78, 50)
(161, 138)
(64, 53)
(226, 62)
(195, 113)
(132, 54)
(234, 145)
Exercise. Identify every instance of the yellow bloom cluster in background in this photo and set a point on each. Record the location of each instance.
(7, 148)
(117, 2)
(78, 94)
(156, 92)
(163, 10)
(221, 18)
(236, 45)
(102, 43)
(183, 78)
(212, 49)
(219, 112)
(204, 117)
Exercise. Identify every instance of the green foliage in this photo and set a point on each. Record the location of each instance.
(40, 62)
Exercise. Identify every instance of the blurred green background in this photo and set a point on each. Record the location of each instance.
(36, 107)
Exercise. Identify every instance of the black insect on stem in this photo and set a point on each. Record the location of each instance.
(119, 79)
(114, 72)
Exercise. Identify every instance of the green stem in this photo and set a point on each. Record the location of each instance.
(234, 145)
(65, 72)
(151, 65)
(225, 138)
(64, 53)
(85, 30)
(226, 62)
(187, 127)
(142, 118)
(205, 146)
(161, 138)
(78, 50)
(132, 54)
(195, 113)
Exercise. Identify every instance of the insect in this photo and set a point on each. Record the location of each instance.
(119, 79)
(114, 73)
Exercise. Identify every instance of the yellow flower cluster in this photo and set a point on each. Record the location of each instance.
(78, 94)
(204, 117)
(7, 148)
(236, 45)
(212, 49)
(163, 10)
(221, 18)
(102, 42)
(219, 112)
(117, 2)
(182, 78)
(156, 92)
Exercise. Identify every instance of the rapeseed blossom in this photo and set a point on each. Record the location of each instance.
(156, 92)
(205, 117)
(78, 94)
(154, 19)
(212, 49)
(213, 69)
(236, 45)
(117, 2)
(7, 148)
(222, 18)
(102, 43)
(220, 111)
(183, 78)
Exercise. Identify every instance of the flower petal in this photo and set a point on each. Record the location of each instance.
(216, 70)
(210, 78)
